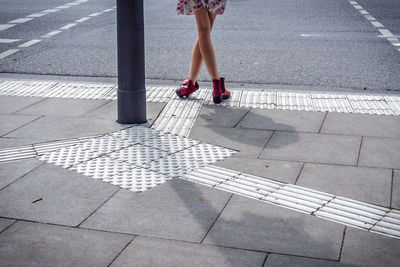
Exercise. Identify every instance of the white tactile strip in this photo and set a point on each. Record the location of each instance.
(34, 150)
(177, 114)
(346, 211)
(17, 153)
(137, 158)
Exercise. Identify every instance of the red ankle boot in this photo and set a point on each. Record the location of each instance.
(217, 92)
(187, 87)
(225, 92)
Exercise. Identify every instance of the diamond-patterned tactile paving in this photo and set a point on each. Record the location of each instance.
(136, 134)
(69, 156)
(138, 155)
(171, 143)
(120, 174)
(198, 156)
(106, 144)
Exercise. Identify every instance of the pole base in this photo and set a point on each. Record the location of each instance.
(132, 106)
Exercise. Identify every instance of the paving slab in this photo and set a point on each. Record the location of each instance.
(396, 190)
(220, 116)
(370, 185)
(380, 152)
(293, 261)
(109, 111)
(283, 171)
(63, 107)
(10, 122)
(362, 125)
(283, 120)
(365, 248)
(11, 104)
(160, 252)
(55, 128)
(13, 142)
(311, 147)
(252, 224)
(11, 171)
(36, 244)
(177, 210)
(249, 142)
(67, 197)
(4, 223)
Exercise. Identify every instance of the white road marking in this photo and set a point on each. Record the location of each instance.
(6, 26)
(82, 19)
(385, 32)
(369, 17)
(108, 10)
(8, 41)
(50, 34)
(95, 14)
(377, 24)
(50, 10)
(396, 44)
(8, 52)
(29, 43)
(68, 26)
(36, 15)
(63, 7)
(21, 20)
(72, 4)
(81, 1)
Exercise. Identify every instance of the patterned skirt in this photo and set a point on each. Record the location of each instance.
(188, 7)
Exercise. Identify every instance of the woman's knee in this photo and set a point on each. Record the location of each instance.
(204, 30)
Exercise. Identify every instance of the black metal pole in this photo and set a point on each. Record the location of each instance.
(131, 73)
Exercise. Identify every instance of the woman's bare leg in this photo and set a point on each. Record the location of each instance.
(197, 59)
(206, 48)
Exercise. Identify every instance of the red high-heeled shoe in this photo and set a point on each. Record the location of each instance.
(187, 88)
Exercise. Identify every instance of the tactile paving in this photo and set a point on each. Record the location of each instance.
(170, 143)
(138, 155)
(136, 134)
(17, 153)
(120, 174)
(69, 156)
(181, 163)
(342, 210)
(178, 116)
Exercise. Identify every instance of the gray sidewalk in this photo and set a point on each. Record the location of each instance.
(50, 215)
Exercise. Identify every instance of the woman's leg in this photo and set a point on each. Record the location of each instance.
(197, 59)
(204, 25)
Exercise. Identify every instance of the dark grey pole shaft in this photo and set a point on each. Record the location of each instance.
(131, 72)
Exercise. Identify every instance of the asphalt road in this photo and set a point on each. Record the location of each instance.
(316, 44)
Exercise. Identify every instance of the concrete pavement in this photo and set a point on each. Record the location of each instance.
(51, 215)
